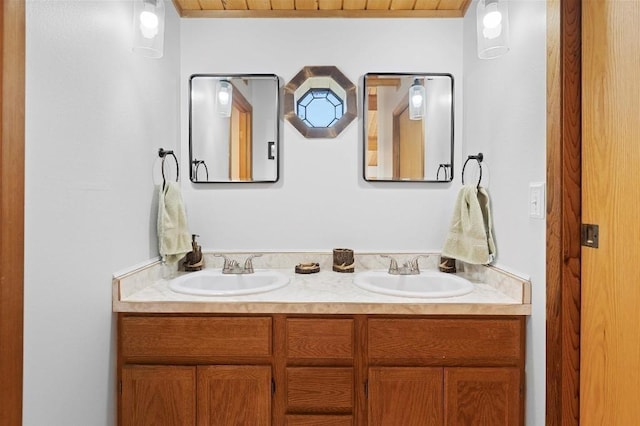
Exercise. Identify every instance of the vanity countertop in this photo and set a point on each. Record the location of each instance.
(496, 292)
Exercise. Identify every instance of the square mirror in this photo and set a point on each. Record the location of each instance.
(408, 127)
(233, 128)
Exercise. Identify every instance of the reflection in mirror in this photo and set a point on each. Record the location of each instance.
(408, 127)
(233, 128)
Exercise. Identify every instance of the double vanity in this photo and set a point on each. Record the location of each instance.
(328, 348)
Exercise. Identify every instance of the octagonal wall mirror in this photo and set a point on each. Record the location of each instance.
(233, 128)
(320, 102)
(408, 127)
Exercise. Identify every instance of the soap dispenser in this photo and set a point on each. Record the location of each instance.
(194, 261)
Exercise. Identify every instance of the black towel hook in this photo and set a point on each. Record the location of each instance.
(479, 159)
(162, 153)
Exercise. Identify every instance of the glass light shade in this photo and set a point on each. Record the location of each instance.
(416, 101)
(492, 28)
(148, 28)
(224, 98)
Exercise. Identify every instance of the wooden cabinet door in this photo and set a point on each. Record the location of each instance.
(482, 396)
(158, 396)
(231, 395)
(409, 396)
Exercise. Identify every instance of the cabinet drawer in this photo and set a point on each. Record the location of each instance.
(192, 337)
(320, 390)
(306, 420)
(446, 341)
(320, 338)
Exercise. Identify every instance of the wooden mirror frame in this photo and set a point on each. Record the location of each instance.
(341, 80)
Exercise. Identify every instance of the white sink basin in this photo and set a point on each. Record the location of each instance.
(212, 282)
(425, 284)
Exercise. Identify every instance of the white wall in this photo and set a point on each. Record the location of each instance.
(321, 200)
(95, 117)
(505, 119)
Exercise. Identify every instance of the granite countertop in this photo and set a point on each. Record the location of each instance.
(496, 292)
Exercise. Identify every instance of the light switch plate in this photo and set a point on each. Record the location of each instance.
(537, 200)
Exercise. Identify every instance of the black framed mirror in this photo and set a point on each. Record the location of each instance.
(234, 128)
(408, 127)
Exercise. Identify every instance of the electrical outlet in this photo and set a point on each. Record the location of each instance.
(536, 200)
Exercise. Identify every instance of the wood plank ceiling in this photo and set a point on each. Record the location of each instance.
(321, 8)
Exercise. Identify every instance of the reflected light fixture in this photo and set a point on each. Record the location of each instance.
(148, 28)
(416, 100)
(492, 28)
(224, 97)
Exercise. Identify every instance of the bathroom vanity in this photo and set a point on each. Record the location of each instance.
(321, 351)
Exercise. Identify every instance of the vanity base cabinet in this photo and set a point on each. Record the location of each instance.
(316, 370)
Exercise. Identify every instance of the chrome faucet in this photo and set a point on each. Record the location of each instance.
(410, 267)
(232, 266)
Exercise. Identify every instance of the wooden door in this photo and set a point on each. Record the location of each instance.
(610, 331)
(158, 396)
(241, 139)
(233, 395)
(482, 396)
(405, 396)
(408, 144)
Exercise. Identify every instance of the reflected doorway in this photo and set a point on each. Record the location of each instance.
(408, 148)
(240, 139)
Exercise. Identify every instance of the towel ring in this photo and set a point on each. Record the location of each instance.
(479, 159)
(162, 153)
(196, 165)
(444, 167)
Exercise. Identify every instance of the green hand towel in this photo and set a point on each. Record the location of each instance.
(468, 236)
(174, 239)
(483, 199)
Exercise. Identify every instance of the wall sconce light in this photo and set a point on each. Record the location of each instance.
(148, 28)
(224, 98)
(492, 28)
(416, 100)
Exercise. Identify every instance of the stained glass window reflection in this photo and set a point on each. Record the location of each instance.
(320, 107)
